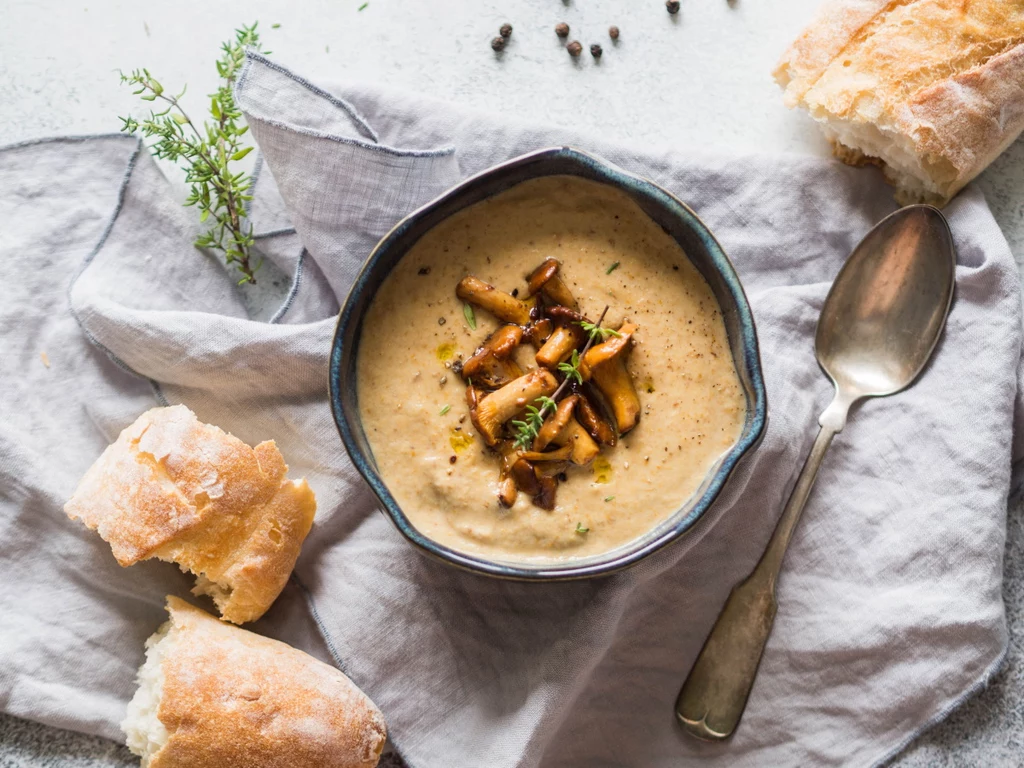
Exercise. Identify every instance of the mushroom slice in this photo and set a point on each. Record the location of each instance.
(541, 487)
(490, 365)
(503, 306)
(568, 335)
(544, 279)
(507, 490)
(538, 331)
(594, 421)
(500, 406)
(545, 498)
(555, 423)
(583, 449)
(605, 365)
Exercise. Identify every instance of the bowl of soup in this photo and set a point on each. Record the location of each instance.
(549, 372)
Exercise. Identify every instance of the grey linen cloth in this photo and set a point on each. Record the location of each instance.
(890, 604)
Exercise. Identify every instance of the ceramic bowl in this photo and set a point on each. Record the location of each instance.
(679, 221)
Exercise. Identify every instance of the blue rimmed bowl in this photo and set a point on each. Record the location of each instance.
(680, 222)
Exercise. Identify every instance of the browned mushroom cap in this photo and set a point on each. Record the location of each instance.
(500, 406)
(538, 331)
(555, 423)
(593, 420)
(544, 279)
(605, 364)
(541, 487)
(545, 498)
(507, 490)
(503, 306)
(490, 366)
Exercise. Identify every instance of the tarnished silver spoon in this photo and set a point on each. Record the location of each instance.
(881, 320)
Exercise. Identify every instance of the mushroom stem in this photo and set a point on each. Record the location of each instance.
(555, 423)
(544, 279)
(593, 420)
(490, 364)
(560, 344)
(500, 406)
(503, 306)
(605, 365)
(583, 448)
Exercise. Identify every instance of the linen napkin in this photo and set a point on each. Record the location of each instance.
(890, 604)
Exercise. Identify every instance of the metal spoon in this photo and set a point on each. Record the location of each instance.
(878, 327)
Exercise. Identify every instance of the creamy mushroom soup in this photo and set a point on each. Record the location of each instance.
(663, 327)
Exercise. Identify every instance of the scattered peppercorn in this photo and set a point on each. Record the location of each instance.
(452, 459)
(506, 30)
(424, 271)
(595, 51)
(672, 6)
(574, 48)
(613, 33)
(562, 30)
(498, 44)
(442, 320)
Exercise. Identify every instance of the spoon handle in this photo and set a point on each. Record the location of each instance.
(715, 693)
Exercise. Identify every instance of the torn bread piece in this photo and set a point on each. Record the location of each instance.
(179, 490)
(931, 90)
(212, 695)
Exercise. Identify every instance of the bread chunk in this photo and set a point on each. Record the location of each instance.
(931, 89)
(179, 490)
(211, 695)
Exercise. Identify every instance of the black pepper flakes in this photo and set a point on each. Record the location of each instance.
(672, 6)
(562, 30)
(506, 30)
(613, 32)
(595, 51)
(574, 48)
(442, 320)
(452, 459)
(498, 44)
(424, 271)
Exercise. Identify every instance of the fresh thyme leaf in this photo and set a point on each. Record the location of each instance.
(467, 312)
(581, 529)
(546, 402)
(612, 268)
(609, 498)
(275, 26)
(596, 332)
(571, 369)
(445, 409)
(363, 6)
(205, 152)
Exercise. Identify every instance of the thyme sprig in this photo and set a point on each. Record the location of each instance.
(206, 155)
(594, 330)
(526, 430)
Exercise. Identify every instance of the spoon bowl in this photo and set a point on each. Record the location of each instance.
(878, 328)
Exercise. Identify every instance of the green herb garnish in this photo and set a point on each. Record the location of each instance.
(571, 369)
(612, 268)
(595, 331)
(445, 409)
(363, 6)
(609, 498)
(467, 312)
(581, 529)
(206, 155)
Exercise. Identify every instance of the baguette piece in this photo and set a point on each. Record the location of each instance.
(932, 90)
(179, 490)
(211, 696)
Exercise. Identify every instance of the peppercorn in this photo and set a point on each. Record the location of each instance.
(595, 51)
(562, 30)
(672, 6)
(498, 44)
(574, 48)
(506, 30)
(613, 33)
(452, 459)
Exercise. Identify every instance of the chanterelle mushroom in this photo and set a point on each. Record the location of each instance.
(605, 365)
(544, 279)
(503, 306)
(500, 406)
(568, 335)
(561, 428)
(491, 365)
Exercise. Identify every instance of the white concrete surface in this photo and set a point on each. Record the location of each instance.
(700, 79)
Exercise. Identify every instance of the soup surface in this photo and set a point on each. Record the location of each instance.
(413, 404)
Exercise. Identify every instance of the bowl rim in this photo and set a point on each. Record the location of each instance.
(621, 557)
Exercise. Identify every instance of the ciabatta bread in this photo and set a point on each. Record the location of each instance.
(933, 90)
(176, 489)
(214, 696)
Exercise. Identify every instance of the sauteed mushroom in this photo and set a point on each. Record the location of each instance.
(593, 420)
(564, 339)
(498, 407)
(503, 306)
(605, 364)
(491, 365)
(562, 429)
(544, 279)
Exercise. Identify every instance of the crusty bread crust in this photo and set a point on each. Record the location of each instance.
(174, 488)
(942, 81)
(234, 698)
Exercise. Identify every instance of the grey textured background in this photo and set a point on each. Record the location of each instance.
(696, 81)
